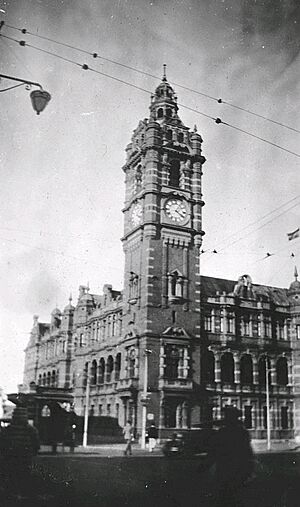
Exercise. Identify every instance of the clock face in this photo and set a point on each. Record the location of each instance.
(137, 214)
(176, 210)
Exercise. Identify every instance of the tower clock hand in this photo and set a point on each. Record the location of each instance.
(178, 213)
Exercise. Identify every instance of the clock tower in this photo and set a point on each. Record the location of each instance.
(162, 239)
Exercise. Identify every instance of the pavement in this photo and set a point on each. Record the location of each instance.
(103, 450)
(114, 450)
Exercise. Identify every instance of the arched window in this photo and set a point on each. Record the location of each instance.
(133, 286)
(131, 363)
(171, 362)
(85, 374)
(282, 371)
(208, 367)
(180, 137)
(227, 368)
(160, 112)
(46, 412)
(94, 373)
(109, 368)
(168, 112)
(230, 323)
(53, 378)
(246, 370)
(169, 409)
(32, 386)
(40, 379)
(169, 135)
(44, 379)
(174, 178)
(138, 179)
(175, 285)
(48, 378)
(101, 371)
(117, 366)
(262, 371)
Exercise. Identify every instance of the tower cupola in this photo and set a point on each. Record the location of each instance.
(163, 106)
(294, 289)
(69, 309)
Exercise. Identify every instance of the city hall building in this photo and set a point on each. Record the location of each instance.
(182, 344)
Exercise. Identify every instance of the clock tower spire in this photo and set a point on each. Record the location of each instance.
(162, 239)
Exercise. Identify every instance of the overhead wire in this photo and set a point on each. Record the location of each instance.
(279, 270)
(20, 60)
(218, 251)
(258, 220)
(86, 67)
(142, 72)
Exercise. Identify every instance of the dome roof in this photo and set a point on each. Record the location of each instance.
(164, 90)
(295, 285)
(56, 311)
(69, 307)
(86, 298)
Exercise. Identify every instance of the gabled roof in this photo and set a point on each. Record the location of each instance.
(210, 285)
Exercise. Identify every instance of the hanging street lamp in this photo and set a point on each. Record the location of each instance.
(39, 98)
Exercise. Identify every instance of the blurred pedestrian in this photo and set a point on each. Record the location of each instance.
(232, 459)
(128, 436)
(152, 435)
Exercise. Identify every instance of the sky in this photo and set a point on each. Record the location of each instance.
(61, 179)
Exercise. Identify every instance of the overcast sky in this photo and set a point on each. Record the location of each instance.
(62, 184)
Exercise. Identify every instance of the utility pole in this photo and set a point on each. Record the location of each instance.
(268, 370)
(86, 410)
(145, 399)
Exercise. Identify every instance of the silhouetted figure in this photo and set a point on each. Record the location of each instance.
(19, 443)
(128, 436)
(233, 459)
(152, 435)
(70, 430)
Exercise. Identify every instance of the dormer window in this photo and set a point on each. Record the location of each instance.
(180, 137)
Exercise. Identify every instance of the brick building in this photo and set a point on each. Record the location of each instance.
(198, 343)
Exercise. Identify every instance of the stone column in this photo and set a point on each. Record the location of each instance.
(162, 361)
(273, 371)
(255, 370)
(185, 362)
(237, 371)
(217, 368)
(213, 321)
(290, 371)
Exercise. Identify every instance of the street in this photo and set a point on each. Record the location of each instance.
(142, 481)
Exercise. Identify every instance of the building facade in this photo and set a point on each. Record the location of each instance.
(193, 344)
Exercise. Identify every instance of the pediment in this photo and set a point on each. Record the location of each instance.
(176, 331)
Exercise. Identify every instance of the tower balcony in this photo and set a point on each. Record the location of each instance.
(178, 384)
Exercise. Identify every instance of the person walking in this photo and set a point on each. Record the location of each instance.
(128, 436)
(152, 435)
(232, 458)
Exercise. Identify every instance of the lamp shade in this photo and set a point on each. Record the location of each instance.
(39, 99)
